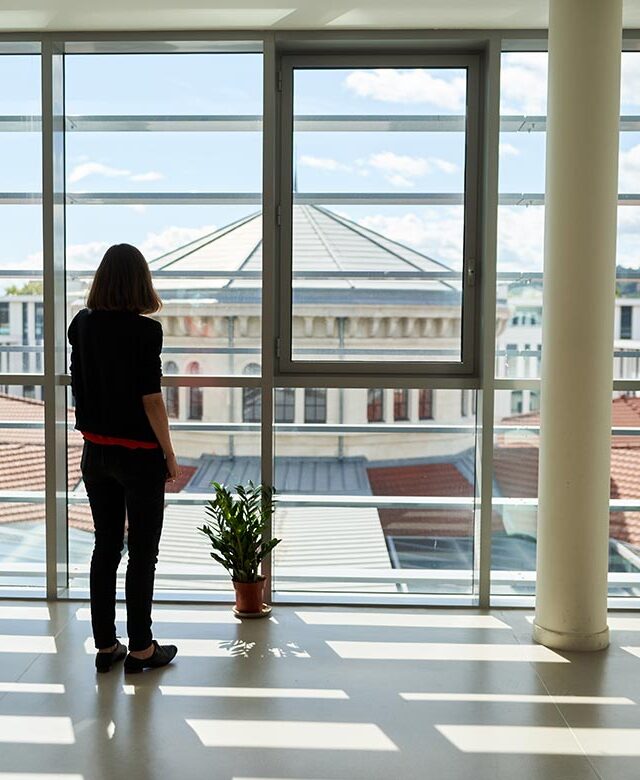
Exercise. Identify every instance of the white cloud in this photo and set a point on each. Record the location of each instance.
(520, 238)
(508, 150)
(149, 176)
(403, 164)
(409, 86)
(88, 255)
(630, 93)
(92, 168)
(156, 244)
(399, 181)
(401, 169)
(629, 170)
(523, 83)
(85, 169)
(436, 231)
(628, 249)
(444, 165)
(323, 163)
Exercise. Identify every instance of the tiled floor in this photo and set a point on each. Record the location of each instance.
(318, 694)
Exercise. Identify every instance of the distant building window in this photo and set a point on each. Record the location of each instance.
(39, 322)
(4, 319)
(25, 322)
(425, 404)
(285, 404)
(465, 403)
(534, 401)
(252, 397)
(516, 402)
(401, 404)
(315, 405)
(171, 393)
(375, 405)
(626, 322)
(29, 391)
(512, 357)
(195, 394)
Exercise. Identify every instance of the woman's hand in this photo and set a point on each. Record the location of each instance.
(173, 469)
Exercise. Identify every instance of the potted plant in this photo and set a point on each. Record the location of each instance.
(236, 529)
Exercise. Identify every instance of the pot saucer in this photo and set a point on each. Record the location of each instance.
(266, 610)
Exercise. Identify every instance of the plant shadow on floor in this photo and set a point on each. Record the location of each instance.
(241, 647)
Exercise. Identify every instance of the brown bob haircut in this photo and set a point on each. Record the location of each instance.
(123, 283)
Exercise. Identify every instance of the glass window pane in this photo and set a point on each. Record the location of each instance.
(515, 459)
(21, 321)
(220, 449)
(389, 248)
(22, 468)
(520, 214)
(405, 519)
(164, 151)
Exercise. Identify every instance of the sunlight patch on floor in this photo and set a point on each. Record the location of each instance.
(291, 735)
(36, 730)
(543, 740)
(445, 651)
(401, 620)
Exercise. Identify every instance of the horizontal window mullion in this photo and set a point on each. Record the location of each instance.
(404, 123)
(223, 427)
(21, 379)
(393, 428)
(517, 384)
(291, 500)
(308, 198)
(193, 380)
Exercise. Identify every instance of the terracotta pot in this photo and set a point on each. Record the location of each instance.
(249, 596)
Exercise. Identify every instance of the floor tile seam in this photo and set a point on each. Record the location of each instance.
(69, 614)
(37, 657)
(542, 682)
(566, 722)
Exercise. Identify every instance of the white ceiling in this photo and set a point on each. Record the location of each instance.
(50, 15)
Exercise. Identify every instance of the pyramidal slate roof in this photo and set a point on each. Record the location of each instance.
(324, 242)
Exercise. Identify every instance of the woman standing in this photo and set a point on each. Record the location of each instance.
(127, 455)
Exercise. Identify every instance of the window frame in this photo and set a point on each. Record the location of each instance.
(469, 332)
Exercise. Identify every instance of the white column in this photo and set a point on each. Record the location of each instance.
(578, 308)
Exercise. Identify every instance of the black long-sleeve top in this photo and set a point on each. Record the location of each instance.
(115, 360)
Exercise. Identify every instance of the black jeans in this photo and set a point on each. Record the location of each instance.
(121, 483)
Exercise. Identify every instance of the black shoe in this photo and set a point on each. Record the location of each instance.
(104, 661)
(161, 656)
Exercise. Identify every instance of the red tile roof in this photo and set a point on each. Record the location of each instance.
(22, 462)
(424, 479)
(625, 413)
(186, 472)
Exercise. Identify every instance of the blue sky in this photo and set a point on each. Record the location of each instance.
(325, 162)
